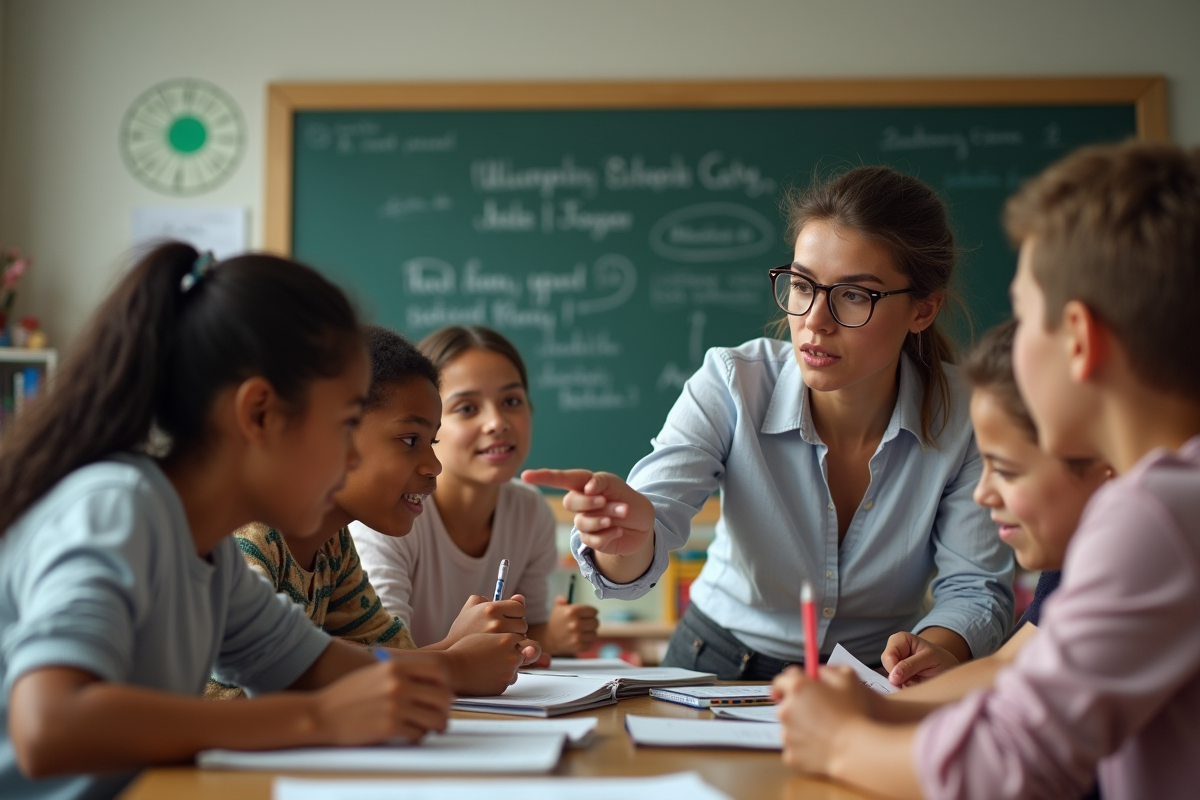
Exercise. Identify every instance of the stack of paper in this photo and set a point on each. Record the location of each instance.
(669, 732)
(580, 731)
(683, 784)
(450, 752)
(545, 695)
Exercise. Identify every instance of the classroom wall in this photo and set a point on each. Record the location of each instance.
(69, 69)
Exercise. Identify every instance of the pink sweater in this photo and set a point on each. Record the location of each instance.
(1111, 683)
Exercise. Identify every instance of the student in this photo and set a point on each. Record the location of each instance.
(845, 456)
(396, 473)
(1108, 273)
(120, 585)
(1035, 498)
(479, 514)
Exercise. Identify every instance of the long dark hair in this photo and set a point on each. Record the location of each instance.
(154, 357)
(907, 217)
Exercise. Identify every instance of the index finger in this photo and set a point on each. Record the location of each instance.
(570, 479)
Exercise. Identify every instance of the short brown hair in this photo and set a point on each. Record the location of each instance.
(989, 367)
(1118, 228)
(907, 217)
(446, 344)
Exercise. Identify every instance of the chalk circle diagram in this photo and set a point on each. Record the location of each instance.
(712, 232)
(183, 137)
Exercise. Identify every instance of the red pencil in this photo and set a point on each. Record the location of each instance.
(808, 610)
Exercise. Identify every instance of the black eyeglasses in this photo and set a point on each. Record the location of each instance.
(850, 304)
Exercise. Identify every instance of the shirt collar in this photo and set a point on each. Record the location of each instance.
(789, 409)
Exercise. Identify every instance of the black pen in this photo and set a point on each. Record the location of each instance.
(571, 591)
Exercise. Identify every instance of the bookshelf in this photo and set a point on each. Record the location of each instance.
(23, 375)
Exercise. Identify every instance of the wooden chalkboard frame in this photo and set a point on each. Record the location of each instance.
(1146, 93)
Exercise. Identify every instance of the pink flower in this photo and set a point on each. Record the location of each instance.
(12, 275)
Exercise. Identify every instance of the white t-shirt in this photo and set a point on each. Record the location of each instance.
(424, 578)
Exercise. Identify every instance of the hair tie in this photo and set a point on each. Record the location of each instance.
(203, 265)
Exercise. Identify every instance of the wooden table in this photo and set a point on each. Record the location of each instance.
(747, 774)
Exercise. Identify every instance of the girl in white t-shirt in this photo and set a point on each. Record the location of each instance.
(479, 514)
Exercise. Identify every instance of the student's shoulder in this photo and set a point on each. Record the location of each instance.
(1165, 482)
(262, 544)
(119, 492)
(758, 362)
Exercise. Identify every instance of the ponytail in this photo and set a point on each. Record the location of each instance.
(155, 355)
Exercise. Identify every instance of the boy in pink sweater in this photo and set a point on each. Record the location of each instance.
(1108, 360)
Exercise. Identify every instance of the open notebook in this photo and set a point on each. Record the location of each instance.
(542, 695)
(630, 681)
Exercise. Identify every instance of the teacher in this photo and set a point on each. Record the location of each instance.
(845, 457)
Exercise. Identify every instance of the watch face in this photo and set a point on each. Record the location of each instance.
(183, 137)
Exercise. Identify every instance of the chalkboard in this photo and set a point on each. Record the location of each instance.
(613, 244)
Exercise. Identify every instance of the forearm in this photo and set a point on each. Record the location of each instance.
(948, 640)
(87, 725)
(954, 685)
(340, 658)
(626, 568)
(876, 757)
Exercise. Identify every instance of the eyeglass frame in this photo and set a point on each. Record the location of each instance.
(875, 296)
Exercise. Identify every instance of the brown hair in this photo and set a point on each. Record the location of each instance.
(154, 356)
(446, 344)
(1118, 228)
(989, 367)
(907, 217)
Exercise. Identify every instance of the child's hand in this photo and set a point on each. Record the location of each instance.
(814, 713)
(403, 698)
(611, 516)
(910, 659)
(572, 628)
(480, 615)
(485, 664)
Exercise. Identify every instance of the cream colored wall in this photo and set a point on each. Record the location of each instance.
(71, 68)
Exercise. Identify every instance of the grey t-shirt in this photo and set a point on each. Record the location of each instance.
(102, 574)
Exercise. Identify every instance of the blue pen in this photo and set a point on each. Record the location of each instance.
(381, 654)
(501, 577)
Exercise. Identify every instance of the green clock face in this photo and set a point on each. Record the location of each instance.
(183, 137)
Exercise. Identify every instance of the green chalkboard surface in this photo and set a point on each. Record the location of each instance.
(614, 246)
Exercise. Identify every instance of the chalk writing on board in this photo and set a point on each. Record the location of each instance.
(598, 399)
(427, 275)
(499, 175)
(920, 139)
(598, 224)
(679, 288)
(634, 174)
(396, 207)
(578, 376)
(612, 272)
(442, 143)
(716, 174)
(512, 218)
(709, 232)
(580, 344)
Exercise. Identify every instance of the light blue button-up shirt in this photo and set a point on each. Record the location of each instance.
(743, 425)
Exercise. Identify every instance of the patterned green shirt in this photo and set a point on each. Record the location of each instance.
(336, 594)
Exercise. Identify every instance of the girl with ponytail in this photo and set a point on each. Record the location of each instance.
(844, 457)
(202, 396)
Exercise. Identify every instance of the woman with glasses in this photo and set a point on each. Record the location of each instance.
(844, 457)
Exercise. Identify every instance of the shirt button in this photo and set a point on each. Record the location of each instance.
(829, 573)
(828, 612)
(832, 506)
(869, 504)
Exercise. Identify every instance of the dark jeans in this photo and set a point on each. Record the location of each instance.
(701, 644)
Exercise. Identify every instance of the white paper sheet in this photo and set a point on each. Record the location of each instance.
(582, 665)
(220, 229)
(580, 731)
(683, 784)
(669, 732)
(452, 753)
(869, 677)
(747, 713)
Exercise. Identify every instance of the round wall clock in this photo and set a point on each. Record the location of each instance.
(183, 137)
